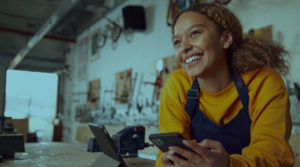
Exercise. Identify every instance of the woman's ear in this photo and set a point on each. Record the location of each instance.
(226, 39)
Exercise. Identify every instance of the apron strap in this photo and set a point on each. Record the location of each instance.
(241, 89)
(193, 96)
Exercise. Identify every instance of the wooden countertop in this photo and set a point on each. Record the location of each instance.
(56, 154)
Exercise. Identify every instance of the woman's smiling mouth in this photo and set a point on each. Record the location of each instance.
(193, 58)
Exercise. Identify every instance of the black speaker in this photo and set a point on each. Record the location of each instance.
(134, 18)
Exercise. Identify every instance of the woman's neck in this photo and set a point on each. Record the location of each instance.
(217, 82)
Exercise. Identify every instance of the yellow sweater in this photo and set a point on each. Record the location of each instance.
(268, 109)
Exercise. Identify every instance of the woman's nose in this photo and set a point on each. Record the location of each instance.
(186, 46)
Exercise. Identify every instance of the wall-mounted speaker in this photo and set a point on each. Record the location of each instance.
(134, 18)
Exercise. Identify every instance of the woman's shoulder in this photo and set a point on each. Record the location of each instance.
(179, 71)
(178, 80)
(179, 76)
(264, 76)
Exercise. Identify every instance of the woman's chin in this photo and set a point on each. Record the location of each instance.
(193, 74)
(193, 71)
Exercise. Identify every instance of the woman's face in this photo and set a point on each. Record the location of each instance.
(199, 46)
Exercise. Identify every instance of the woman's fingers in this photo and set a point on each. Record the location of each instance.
(184, 157)
(212, 145)
(204, 152)
(179, 161)
(207, 152)
(166, 160)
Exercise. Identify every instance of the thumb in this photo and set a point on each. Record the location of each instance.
(212, 145)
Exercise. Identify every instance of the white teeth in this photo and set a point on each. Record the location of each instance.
(192, 59)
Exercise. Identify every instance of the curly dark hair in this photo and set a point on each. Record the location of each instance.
(245, 53)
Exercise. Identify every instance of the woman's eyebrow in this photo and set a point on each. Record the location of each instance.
(197, 25)
(191, 27)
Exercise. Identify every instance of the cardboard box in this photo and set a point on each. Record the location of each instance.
(294, 142)
(83, 133)
(21, 126)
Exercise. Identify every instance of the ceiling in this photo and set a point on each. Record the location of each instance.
(20, 20)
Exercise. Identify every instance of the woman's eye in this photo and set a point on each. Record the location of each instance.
(195, 33)
(176, 42)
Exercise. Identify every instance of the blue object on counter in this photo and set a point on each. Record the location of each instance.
(93, 145)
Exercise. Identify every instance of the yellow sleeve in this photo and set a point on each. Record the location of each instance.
(270, 127)
(172, 116)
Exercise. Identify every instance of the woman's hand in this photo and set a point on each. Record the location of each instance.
(208, 153)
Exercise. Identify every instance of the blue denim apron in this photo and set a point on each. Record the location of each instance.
(234, 135)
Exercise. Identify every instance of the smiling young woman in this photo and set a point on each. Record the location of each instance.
(228, 97)
(201, 50)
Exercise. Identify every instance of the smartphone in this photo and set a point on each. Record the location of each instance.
(164, 140)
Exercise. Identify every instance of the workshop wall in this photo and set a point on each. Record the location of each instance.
(139, 52)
